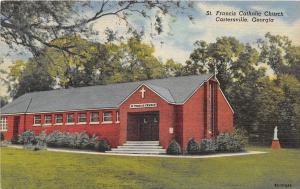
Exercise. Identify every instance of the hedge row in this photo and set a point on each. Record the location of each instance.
(224, 142)
(63, 140)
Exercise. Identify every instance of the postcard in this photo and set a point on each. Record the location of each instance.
(150, 94)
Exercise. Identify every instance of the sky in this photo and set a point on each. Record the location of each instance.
(179, 32)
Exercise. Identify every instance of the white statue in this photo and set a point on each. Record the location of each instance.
(275, 133)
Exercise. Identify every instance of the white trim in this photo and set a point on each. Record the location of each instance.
(73, 123)
(36, 125)
(47, 124)
(91, 113)
(145, 85)
(3, 123)
(34, 120)
(226, 100)
(106, 122)
(78, 118)
(224, 96)
(48, 115)
(67, 115)
(64, 111)
(94, 122)
(55, 119)
(195, 90)
(117, 116)
(81, 123)
(111, 116)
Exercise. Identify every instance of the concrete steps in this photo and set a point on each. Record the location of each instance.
(139, 147)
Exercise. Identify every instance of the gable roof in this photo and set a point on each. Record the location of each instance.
(175, 90)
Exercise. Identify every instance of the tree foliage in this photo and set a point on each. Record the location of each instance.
(279, 52)
(99, 64)
(260, 102)
(34, 25)
(221, 55)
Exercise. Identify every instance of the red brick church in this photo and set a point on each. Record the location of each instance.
(154, 110)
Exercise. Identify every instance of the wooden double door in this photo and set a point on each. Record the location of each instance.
(143, 126)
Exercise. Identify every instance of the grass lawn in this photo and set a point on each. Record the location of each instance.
(52, 170)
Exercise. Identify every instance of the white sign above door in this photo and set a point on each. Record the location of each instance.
(145, 105)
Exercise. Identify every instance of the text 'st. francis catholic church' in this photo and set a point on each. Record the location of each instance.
(177, 108)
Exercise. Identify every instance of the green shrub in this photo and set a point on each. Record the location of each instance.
(174, 148)
(102, 146)
(208, 146)
(83, 140)
(41, 141)
(32, 142)
(27, 138)
(192, 147)
(92, 142)
(230, 142)
(71, 140)
(240, 135)
(55, 139)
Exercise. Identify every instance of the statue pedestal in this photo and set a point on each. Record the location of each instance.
(275, 144)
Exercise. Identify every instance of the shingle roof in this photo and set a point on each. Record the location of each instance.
(174, 89)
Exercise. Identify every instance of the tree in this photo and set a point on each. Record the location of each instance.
(89, 66)
(282, 56)
(29, 77)
(243, 91)
(34, 25)
(220, 55)
(99, 64)
(3, 101)
(289, 125)
(172, 68)
(137, 60)
(269, 96)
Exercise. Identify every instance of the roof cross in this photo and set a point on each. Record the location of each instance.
(143, 92)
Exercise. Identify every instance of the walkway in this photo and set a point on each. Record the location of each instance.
(149, 155)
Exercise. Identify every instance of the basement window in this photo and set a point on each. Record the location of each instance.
(3, 124)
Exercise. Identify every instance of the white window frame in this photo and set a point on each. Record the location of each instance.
(62, 119)
(117, 117)
(45, 116)
(67, 121)
(105, 116)
(34, 120)
(78, 119)
(91, 115)
(3, 124)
